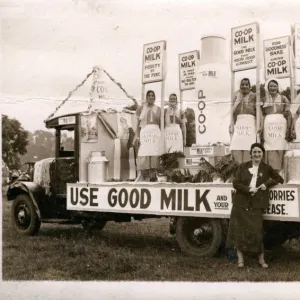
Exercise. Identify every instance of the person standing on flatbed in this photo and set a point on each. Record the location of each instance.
(148, 138)
(243, 130)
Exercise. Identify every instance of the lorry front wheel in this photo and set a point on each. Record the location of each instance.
(199, 236)
(24, 217)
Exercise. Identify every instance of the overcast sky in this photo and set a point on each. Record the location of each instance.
(48, 47)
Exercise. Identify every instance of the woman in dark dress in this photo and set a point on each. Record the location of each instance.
(252, 182)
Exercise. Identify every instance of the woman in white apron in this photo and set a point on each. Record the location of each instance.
(175, 129)
(277, 124)
(148, 138)
(244, 117)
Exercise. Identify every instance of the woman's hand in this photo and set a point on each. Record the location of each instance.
(231, 129)
(253, 190)
(263, 187)
(138, 142)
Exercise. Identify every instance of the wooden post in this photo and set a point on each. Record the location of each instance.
(143, 94)
(294, 68)
(162, 116)
(258, 85)
(180, 99)
(232, 100)
(162, 102)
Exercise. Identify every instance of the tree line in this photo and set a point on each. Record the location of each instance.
(20, 146)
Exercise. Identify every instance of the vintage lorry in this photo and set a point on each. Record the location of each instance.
(60, 192)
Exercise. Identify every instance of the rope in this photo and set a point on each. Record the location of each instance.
(120, 86)
(95, 72)
(70, 94)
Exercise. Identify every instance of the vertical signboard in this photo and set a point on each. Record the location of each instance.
(297, 45)
(244, 50)
(153, 57)
(277, 57)
(188, 63)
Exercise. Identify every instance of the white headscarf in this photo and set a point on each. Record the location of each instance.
(269, 100)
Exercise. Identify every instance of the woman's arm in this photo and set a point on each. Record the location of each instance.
(274, 178)
(233, 116)
(159, 116)
(288, 116)
(237, 183)
(138, 123)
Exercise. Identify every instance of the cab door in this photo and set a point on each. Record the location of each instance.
(66, 166)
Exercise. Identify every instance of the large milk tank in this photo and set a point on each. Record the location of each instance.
(212, 92)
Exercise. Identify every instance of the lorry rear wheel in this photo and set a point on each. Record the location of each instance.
(199, 236)
(24, 217)
(93, 225)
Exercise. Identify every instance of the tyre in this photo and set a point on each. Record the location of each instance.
(93, 225)
(24, 217)
(199, 236)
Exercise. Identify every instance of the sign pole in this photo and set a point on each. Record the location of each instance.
(162, 119)
(232, 101)
(143, 94)
(245, 56)
(258, 111)
(162, 102)
(153, 70)
(188, 64)
(294, 66)
(181, 100)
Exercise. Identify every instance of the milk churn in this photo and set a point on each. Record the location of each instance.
(213, 88)
(97, 167)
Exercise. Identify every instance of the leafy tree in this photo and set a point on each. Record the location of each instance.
(262, 90)
(14, 141)
(287, 93)
(41, 145)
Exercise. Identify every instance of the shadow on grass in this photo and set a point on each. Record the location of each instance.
(110, 237)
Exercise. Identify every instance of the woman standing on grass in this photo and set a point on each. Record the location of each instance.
(252, 182)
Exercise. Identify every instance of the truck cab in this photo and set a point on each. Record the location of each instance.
(43, 199)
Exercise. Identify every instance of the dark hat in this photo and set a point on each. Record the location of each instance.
(258, 145)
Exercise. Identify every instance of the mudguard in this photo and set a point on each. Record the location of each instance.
(35, 192)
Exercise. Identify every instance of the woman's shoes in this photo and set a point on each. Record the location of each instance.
(263, 265)
(240, 264)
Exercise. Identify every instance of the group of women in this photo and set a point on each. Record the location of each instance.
(275, 123)
(260, 163)
(148, 121)
(259, 167)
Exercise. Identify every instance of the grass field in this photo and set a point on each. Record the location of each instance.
(143, 251)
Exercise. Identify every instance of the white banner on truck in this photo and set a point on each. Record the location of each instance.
(277, 57)
(207, 200)
(153, 69)
(188, 63)
(244, 47)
